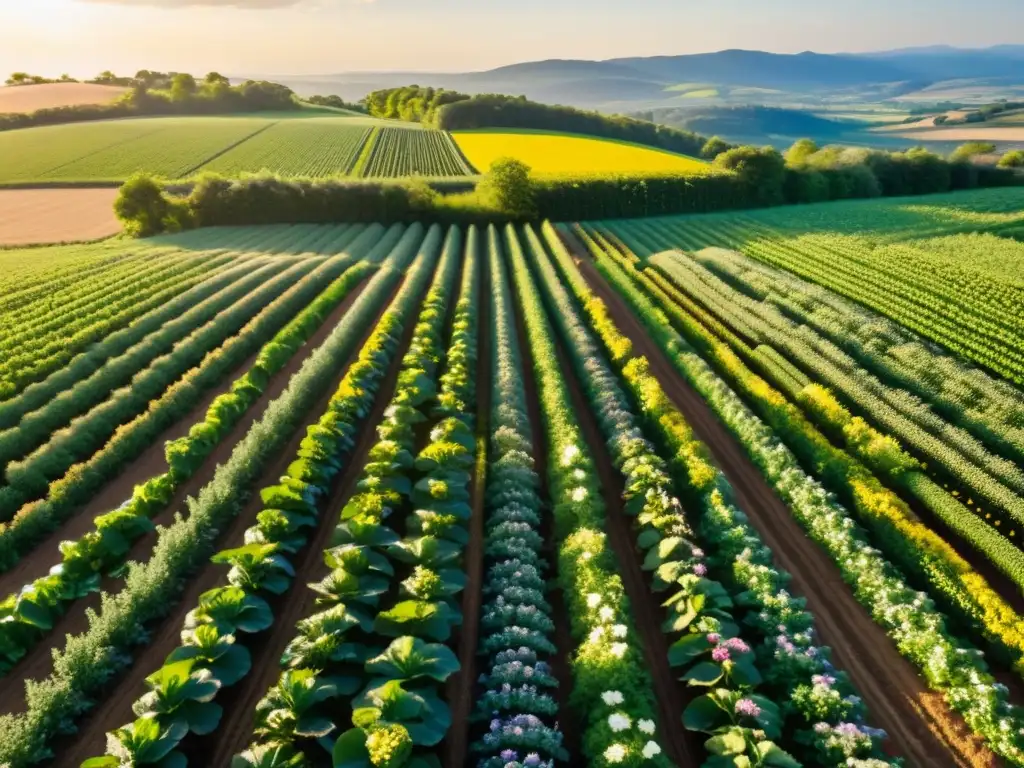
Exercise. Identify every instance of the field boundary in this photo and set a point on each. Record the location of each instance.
(225, 150)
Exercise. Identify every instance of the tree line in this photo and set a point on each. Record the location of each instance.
(454, 111)
(166, 93)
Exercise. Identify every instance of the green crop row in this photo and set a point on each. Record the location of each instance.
(91, 659)
(378, 639)
(917, 627)
(28, 614)
(405, 152)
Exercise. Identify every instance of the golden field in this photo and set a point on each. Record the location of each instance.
(29, 98)
(567, 154)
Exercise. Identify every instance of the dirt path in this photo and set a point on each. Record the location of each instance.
(920, 724)
(44, 216)
(461, 687)
(165, 635)
(683, 747)
(568, 719)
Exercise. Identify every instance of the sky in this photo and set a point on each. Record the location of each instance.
(296, 37)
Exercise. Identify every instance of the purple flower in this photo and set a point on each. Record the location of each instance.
(848, 729)
(747, 708)
(734, 643)
(532, 759)
(509, 755)
(720, 654)
(700, 569)
(714, 637)
(826, 680)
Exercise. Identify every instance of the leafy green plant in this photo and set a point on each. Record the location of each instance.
(180, 693)
(292, 708)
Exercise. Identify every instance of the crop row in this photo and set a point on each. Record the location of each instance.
(75, 488)
(170, 311)
(44, 272)
(978, 320)
(36, 362)
(182, 694)
(336, 652)
(686, 551)
(404, 152)
(919, 428)
(881, 452)
(150, 590)
(28, 614)
(297, 148)
(55, 448)
(990, 408)
(37, 352)
(612, 686)
(62, 309)
(909, 617)
(830, 718)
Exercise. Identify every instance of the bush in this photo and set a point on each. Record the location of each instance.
(143, 208)
(714, 147)
(971, 149)
(1013, 159)
(761, 172)
(507, 185)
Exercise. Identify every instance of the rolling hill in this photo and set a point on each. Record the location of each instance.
(754, 76)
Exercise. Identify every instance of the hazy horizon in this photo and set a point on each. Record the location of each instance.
(313, 37)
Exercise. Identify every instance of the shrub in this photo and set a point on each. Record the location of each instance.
(142, 206)
(1013, 159)
(508, 186)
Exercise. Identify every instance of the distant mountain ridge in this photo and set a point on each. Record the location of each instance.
(622, 80)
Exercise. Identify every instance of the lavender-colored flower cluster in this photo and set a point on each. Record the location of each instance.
(516, 626)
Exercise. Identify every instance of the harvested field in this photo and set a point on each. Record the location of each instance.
(29, 98)
(42, 216)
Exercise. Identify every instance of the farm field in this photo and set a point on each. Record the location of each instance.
(553, 154)
(29, 98)
(995, 132)
(397, 152)
(40, 216)
(182, 147)
(632, 492)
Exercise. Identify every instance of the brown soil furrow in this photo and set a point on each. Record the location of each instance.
(569, 721)
(461, 686)
(920, 724)
(683, 747)
(165, 636)
(152, 462)
(234, 733)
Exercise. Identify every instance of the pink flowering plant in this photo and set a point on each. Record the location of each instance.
(743, 727)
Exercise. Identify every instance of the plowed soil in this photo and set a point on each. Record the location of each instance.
(921, 726)
(116, 709)
(47, 216)
(29, 98)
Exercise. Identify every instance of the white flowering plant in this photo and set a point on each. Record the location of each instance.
(608, 664)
